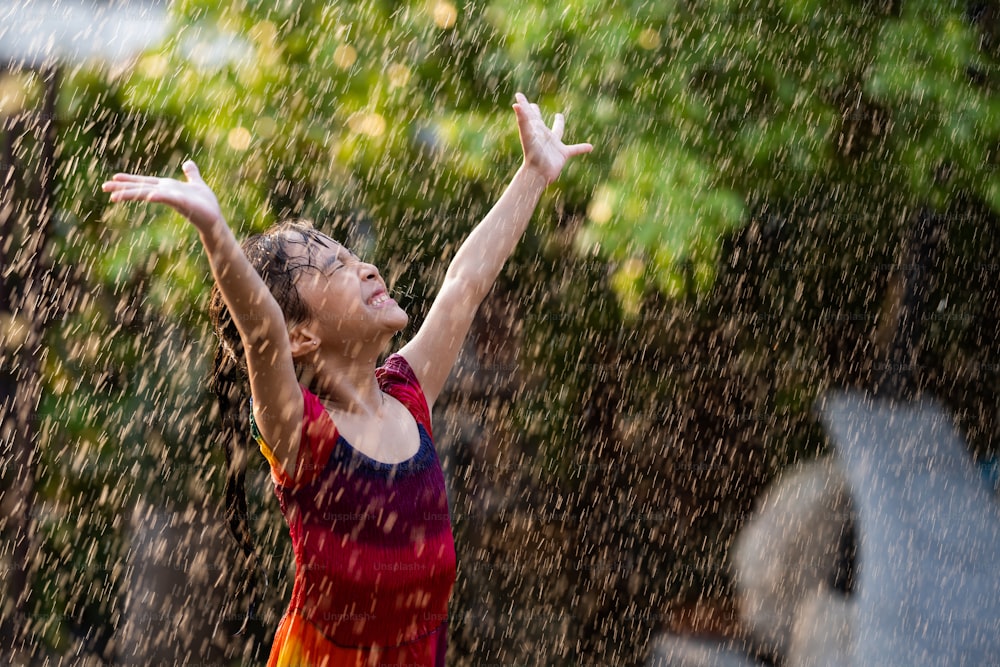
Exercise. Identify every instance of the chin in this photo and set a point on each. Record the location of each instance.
(400, 322)
(399, 318)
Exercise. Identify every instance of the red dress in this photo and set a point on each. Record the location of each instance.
(374, 551)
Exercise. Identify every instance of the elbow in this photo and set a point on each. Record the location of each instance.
(467, 286)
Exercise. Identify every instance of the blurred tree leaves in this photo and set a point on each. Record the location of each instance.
(697, 108)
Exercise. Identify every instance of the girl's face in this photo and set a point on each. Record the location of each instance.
(347, 297)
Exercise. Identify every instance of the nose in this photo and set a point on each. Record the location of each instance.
(368, 271)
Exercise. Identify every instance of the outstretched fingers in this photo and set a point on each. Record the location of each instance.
(121, 181)
(578, 149)
(131, 178)
(132, 192)
(192, 198)
(191, 172)
(558, 126)
(527, 111)
(130, 187)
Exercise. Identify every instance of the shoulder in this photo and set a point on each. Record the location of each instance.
(318, 438)
(396, 370)
(396, 378)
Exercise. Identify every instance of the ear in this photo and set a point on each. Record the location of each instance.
(303, 339)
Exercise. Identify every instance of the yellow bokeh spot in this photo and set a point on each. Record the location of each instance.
(633, 268)
(239, 138)
(649, 39)
(13, 95)
(600, 210)
(153, 66)
(444, 14)
(345, 56)
(367, 123)
(15, 331)
(627, 283)
(399, 75)
(264, 33)
(265, 36)
(265, 127)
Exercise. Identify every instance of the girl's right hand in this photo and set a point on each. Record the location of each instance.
(277, 396)
(192, 199)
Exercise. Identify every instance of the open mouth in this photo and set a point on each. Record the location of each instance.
(378, 299)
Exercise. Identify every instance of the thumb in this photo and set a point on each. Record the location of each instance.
(578, 149)
(190, 170)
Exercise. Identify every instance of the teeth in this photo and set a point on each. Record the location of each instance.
(379, 300)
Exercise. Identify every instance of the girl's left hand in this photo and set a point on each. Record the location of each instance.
(543, 148)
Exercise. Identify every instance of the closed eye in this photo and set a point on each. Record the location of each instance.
(341, 259)
(348, 257)
(332, 265)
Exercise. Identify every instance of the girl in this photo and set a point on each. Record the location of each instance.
(349, 443)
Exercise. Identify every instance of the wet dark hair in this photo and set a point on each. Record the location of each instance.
(269, 254)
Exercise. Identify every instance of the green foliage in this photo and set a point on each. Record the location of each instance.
(929, 70)
(697, 110)
(120, 319)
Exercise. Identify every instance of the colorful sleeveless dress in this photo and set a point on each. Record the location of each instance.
(374, 551)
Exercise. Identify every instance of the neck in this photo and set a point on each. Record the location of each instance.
(346, 381)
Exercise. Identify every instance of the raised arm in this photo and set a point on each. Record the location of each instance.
(258, 317)
(471, 274)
